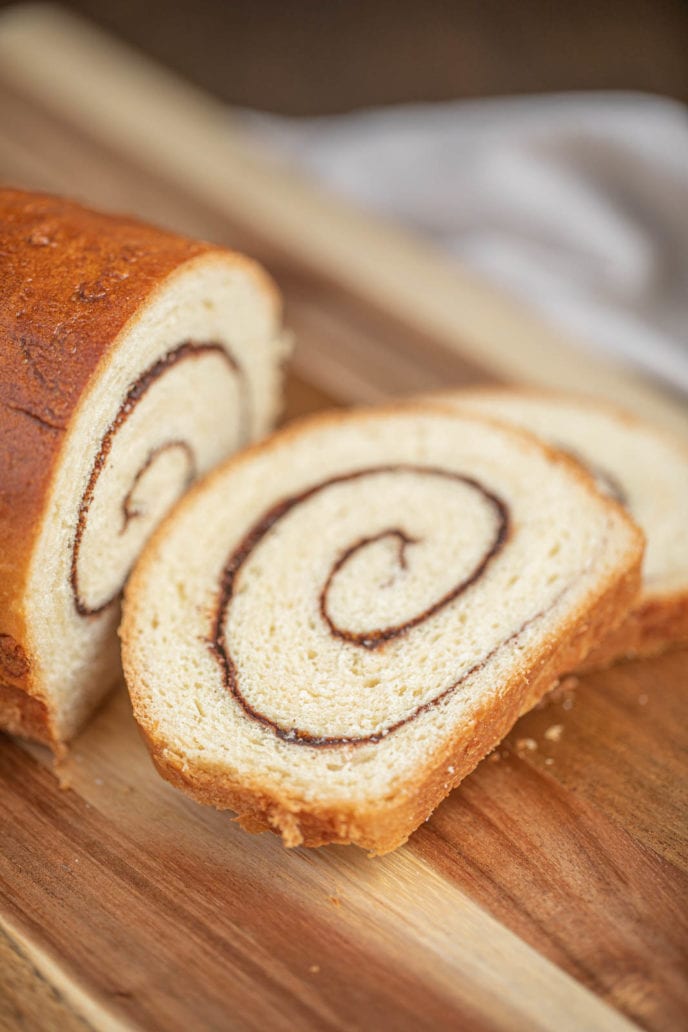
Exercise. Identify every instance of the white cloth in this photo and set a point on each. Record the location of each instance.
(577, 203)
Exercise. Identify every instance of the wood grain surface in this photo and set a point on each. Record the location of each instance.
(548, 892)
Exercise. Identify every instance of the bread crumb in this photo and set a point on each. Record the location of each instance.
(549, 761)
(642, 700)
(554, 733)
(567, 704)
(494, 757)
(563, 691)
(314, 969)
(528, 744)
(559, 694)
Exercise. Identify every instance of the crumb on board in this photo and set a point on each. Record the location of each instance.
(314, 969)
(526, 745)
(549, 761)
(494, 757)
(554, 732)
(561, 692)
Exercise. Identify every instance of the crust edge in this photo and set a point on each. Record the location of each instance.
(26, 716)
(655, 624)
(384, 828)
(23, 710)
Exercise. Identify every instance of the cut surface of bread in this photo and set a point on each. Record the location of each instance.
(642, 467)
(333, 629)
(131, 361)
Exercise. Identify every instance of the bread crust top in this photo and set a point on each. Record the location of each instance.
(71, 279)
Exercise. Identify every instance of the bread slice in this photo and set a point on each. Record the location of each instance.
(131, 360)
(634, 462)
(332, 630)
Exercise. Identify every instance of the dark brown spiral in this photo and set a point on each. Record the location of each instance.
(371, 639)
(128, 511)
(186, 352)
(605, 480)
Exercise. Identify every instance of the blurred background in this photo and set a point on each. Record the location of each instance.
(309, 57)
(541, 144)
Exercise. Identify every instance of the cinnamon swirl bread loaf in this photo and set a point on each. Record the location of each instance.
(641, 467)
(332, 630)
(131, 361)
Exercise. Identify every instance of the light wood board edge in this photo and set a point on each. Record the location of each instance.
(169, 126)
(27, 999)
(458, 947)
(71, 1008)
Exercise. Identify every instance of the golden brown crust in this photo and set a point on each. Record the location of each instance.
(380, 830)
(555, 394)
(22, 714)
(70, 281)
(655, 624)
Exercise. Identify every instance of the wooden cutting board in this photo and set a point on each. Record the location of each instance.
(548, 892)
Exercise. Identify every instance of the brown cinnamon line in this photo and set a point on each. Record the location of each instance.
(371, 639)
(605, 479)
(186, 350)
(610, 484)
(131, 514)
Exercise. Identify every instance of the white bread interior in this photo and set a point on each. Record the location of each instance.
(567, 571)
(643, 466)
(204, 402)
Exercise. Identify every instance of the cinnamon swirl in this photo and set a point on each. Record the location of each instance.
(640, 466)
(131, 361)
(335, 627)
